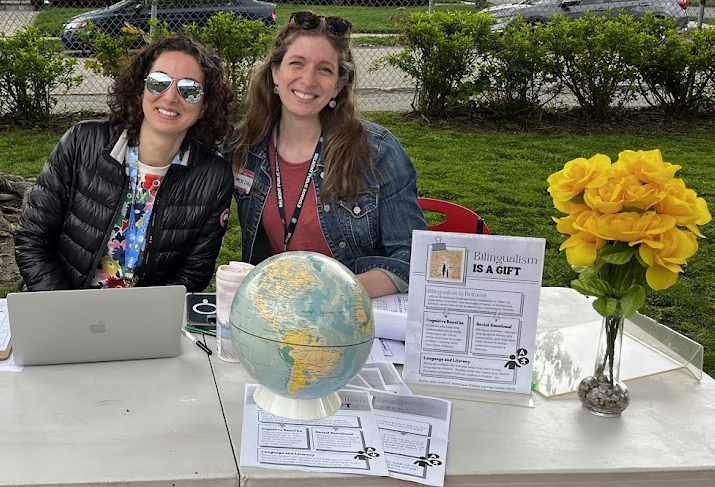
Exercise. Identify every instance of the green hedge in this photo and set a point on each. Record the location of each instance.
(461, 65)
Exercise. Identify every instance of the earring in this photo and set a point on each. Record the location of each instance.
(275, 89)
(332, 103)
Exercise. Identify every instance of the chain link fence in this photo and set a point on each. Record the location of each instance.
(385, 89)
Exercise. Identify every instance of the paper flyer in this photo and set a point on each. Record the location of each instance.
(414, 432)
(473, 309)
(346, 442)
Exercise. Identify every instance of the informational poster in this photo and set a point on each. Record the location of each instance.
(472, 312)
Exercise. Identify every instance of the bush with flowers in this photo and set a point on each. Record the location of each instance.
(630, 223)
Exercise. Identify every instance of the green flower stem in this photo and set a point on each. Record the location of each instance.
(612, 324)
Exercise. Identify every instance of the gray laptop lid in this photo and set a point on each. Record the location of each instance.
(96, 325)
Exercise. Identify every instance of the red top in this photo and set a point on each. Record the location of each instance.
(308, 235)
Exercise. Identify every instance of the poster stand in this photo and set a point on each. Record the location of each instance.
(566, 354)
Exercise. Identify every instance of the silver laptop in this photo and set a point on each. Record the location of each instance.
(96, 325)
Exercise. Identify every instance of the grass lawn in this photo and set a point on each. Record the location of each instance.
(501, 174)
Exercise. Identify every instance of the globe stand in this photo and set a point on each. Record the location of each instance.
(287, 407)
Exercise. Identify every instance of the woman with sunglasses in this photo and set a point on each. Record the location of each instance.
(310, 174)
(141, 199)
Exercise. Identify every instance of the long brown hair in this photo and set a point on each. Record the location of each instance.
(347, 152)
(125, 95)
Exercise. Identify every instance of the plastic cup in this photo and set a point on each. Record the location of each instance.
(228, 279)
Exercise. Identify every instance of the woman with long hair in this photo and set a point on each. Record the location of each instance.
(310, 174)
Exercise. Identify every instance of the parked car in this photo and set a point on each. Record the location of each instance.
(175, 13)
(542, 10)
(39, 4)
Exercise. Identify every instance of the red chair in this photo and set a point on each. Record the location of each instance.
(457, 217)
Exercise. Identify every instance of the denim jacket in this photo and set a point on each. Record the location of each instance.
(374, 233)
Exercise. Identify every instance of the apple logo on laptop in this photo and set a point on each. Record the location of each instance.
(98, 327)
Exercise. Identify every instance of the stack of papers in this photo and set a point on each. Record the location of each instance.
(390, 315)
(7, 364)
(381, 429)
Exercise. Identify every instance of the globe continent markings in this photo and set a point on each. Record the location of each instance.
(293, 285)
(280, 287)
(307, 364)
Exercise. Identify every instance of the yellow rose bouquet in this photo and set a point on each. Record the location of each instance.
(631, 224)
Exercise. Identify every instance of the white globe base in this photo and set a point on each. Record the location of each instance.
(287, 407)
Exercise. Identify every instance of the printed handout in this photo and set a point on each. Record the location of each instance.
(346, 442)
(414, 432)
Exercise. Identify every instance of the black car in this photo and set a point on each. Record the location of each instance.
(176, 13)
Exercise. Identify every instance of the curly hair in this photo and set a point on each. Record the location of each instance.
(347, 152)
(125, 94)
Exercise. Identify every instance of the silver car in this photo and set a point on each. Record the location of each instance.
(543, 10)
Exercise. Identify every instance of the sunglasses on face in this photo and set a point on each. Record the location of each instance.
(190, 90)
(308, 21)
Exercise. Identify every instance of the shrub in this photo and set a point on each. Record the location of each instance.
(110, 53)
(516, 67)
(441, 53)
(31, 67)
(677, 72)
(241, 43)
(590, 56)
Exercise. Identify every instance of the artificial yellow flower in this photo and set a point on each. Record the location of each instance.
(632, 227)
(582, 248)
(571, 206)
(607, 198)
(664, 263)
(577, 175)
(575, 222)
(648, 166)
(642, 197)
(684, 205)
(635, 201)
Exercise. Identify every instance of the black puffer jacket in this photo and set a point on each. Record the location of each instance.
(78, 196)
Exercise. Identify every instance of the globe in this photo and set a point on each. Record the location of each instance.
(302, 326)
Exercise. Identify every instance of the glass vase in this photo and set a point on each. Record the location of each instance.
(602, 393)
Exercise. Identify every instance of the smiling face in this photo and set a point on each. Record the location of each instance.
(307, 77)
(168, 115)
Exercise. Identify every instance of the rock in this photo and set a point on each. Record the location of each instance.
(13, 194)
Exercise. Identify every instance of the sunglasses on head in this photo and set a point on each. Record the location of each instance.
(190, 90)
(308, 21)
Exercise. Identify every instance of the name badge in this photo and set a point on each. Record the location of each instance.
(244, 181)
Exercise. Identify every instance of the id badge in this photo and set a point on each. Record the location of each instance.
(243, 181)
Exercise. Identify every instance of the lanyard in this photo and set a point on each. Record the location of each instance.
(135, 236)
(290, 229)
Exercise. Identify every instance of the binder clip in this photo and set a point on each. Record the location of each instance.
(438, 245)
